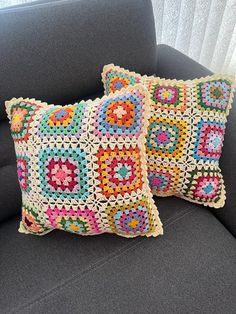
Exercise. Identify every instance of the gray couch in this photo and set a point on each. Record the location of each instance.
(55, 51)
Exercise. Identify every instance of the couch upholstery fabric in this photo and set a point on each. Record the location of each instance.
(68, 43)
(10, 196)
(190, 269)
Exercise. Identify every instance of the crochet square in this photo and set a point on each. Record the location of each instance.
(186, 132)
(116, 80)
(131, 219)
(163, 179)
(209, 140)
(77, 162)
(23, 172)
(30, 221)
(78, 221)
(214, 95)
(62, 122)
(166, 137)
(169, 97)
(119, 171)
(119, 116)
(204, 185)
(63, 173)
(22, 114)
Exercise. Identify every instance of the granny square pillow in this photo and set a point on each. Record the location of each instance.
(82, 167)
(185, 133)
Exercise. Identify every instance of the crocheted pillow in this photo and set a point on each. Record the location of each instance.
(82, 167)
(185, 133)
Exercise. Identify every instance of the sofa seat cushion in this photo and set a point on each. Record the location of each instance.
(191, 268)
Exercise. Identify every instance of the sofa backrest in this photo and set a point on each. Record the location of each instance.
(54, 51)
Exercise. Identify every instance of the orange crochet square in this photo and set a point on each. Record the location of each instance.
(119, 170)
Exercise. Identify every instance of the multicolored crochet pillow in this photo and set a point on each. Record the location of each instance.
(82, 167)
(185, 133)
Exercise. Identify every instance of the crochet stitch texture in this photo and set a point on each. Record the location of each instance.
(185, 134)
(82, 167)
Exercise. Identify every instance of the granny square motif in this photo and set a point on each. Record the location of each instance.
(82, 167)
(185, 134)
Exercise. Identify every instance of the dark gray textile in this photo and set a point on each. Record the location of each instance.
(173, 64)
(10, 196)
(55, 51)
(191, 269)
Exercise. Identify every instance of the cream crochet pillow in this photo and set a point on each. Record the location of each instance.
(185, 134)
(82, 167)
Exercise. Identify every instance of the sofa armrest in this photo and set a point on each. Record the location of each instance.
(173, 64)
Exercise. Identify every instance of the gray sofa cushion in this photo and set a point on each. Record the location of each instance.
(190, 269)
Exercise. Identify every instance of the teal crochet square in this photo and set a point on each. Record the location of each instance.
(63, 173)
